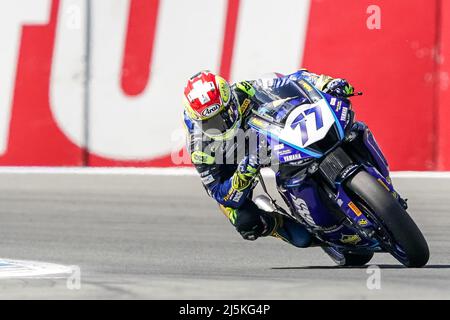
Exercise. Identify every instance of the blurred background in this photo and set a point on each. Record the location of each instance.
(99, 83)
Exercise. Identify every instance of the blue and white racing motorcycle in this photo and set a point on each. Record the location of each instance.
(334, 178)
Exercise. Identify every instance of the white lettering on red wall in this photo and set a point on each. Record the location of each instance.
(142, 52)
(13, 15)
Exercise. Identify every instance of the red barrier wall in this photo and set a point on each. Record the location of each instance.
(402, 68)
(387, 65)
(34, 137)
(443, 89)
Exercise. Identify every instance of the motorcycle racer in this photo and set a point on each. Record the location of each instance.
(214, 113)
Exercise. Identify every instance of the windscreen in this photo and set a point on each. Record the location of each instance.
(276, 103)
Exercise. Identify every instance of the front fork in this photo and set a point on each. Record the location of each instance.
(377, 167)
(380, 168)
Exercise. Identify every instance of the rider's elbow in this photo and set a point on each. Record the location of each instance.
(229, 197)
(235, 199)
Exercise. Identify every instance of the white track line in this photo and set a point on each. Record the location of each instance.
(34, 269)
(421, 174)
(182, 171)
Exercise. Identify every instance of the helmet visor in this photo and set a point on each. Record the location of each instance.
(220, 126)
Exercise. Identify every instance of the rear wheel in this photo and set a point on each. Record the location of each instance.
(396, 230)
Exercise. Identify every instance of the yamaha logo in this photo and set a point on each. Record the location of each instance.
(210, 110)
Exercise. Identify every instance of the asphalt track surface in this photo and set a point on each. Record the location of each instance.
(160, 237)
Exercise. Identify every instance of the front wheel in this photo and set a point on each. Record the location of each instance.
(396, 230)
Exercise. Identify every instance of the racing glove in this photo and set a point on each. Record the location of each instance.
(246, 172)
(249, 167)
(359, 126)
(339, 88)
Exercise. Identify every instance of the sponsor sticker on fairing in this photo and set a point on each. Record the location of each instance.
(363, 222)
(292, 157)
(278, 147)
(259, 123)
(355, 209)
(306, 86)
(350, 238)
(303, 210)
(344, 114)
(333, 101)
(284, 152)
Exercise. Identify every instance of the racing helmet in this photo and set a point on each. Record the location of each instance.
(211, 105)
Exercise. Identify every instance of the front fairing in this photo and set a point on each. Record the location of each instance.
(303, 124)
(300, 121)
(320, 215)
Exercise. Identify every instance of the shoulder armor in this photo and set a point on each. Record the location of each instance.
(246, 87)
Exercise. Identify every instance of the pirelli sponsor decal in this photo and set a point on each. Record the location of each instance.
(355, 209)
